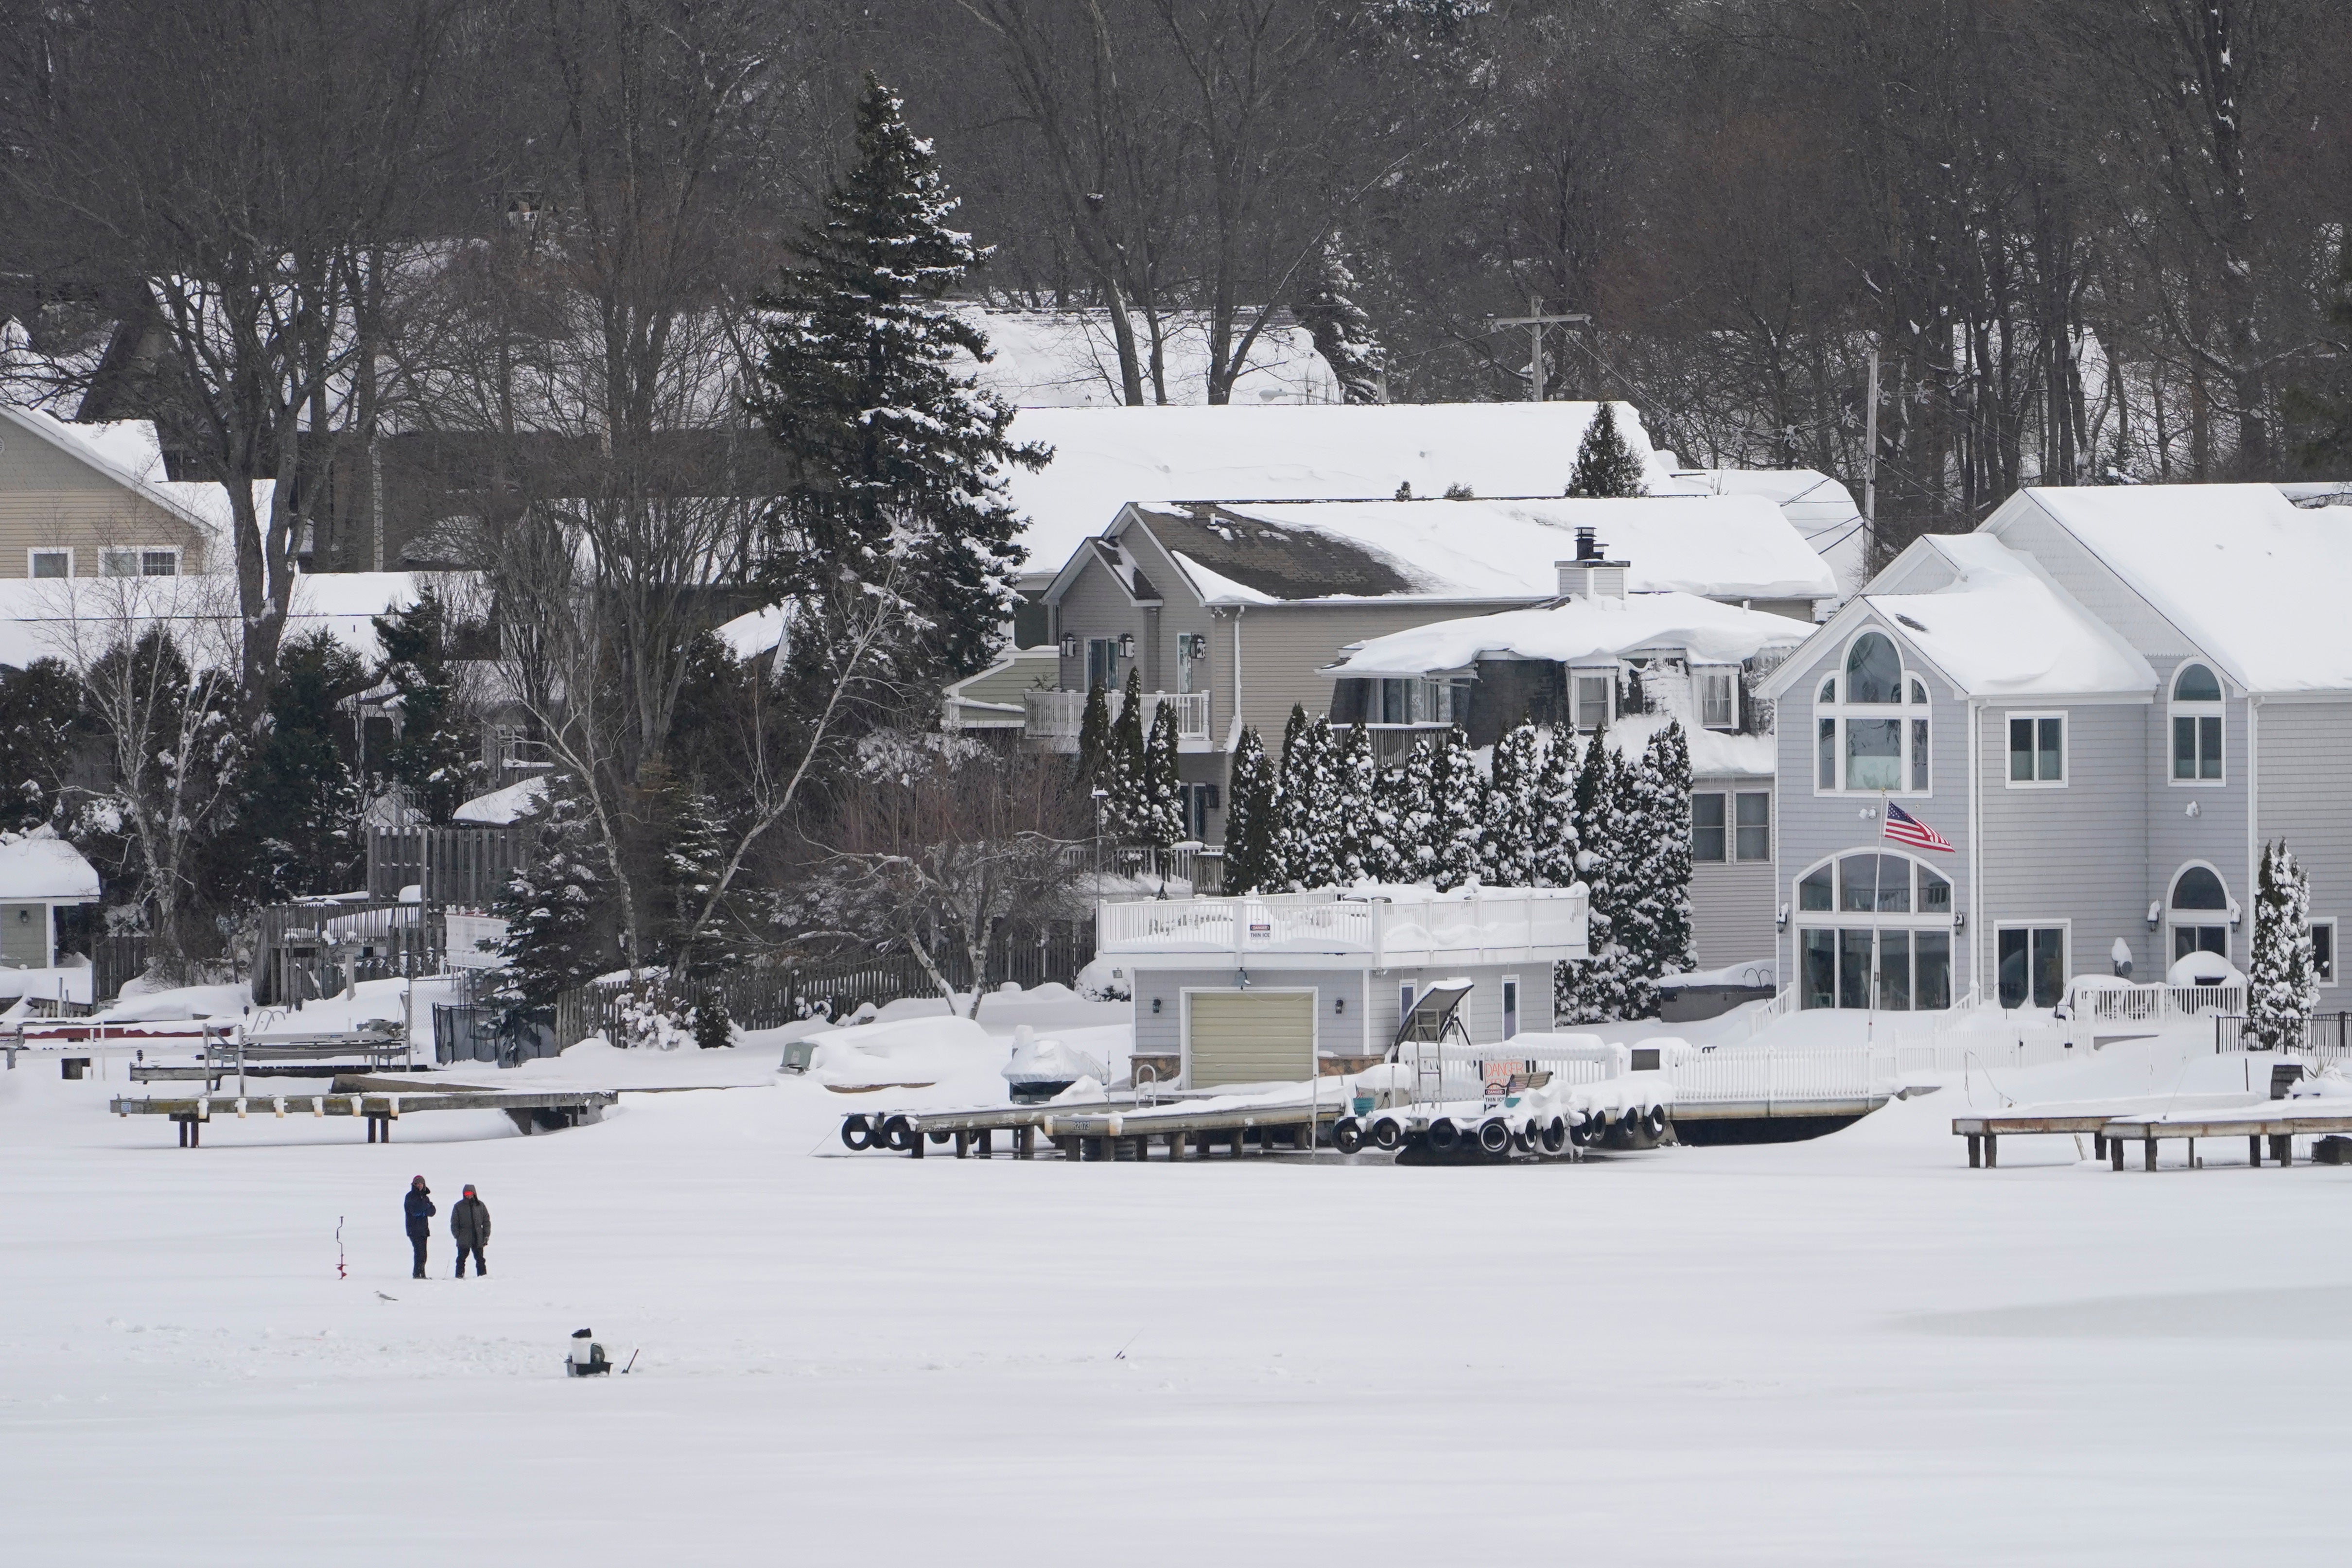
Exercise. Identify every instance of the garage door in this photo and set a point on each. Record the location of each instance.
(1249, 1036)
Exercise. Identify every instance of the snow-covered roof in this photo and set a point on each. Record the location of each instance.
(41, 866)
(501, 806)
(1732, 547)
(1067, 359)
(80, 617)
(2257, 582)
(2000, 628)
(1818, 506)
(1105, 458)
(1577, 631)
(757, 632)
(128, 452)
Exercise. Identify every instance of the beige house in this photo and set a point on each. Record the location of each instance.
(86, 500)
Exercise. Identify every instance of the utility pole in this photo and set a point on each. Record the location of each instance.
(1534, 321)
(1869, 462)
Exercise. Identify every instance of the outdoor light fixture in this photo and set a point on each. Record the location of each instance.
(2233, 911)
(2155, 913)
(1127, 645)
(1155, 1004)
(1781, 919)
(1069, 645)
(1339, 1005)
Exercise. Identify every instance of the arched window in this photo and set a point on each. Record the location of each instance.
(1874, 930)
(1873, 741)
(2196, 726)
(2200, 913)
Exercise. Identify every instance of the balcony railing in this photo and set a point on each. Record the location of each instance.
(1457, 928)
(1053, 718)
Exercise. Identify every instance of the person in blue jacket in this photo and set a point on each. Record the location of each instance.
(419, 1207)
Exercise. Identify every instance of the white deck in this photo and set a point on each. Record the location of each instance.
(1376, 928)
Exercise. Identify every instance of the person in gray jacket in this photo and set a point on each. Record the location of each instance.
(469, 1226)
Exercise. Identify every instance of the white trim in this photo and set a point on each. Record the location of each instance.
(1771, 827)
(1841, 711)
(2066, 744)
(1976, 847)
(2334, 953)
(39, 549)
(179, 559)
(2175, 709)
(2065, 928)
(1184, 1020)
(2196, 918)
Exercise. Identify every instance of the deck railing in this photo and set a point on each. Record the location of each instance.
(1056, 717)
(1322, 921)
(2109, 1003)
(2327, 1036)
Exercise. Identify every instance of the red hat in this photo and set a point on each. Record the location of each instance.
(470, 1189)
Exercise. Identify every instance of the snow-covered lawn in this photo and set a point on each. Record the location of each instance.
(1852, 1351)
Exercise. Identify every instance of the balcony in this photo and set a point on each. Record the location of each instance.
(1051, 718)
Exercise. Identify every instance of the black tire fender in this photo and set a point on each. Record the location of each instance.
(1553, 1136)
(1654, 1124)
(856, 1133)
(1443, 1136)
(1347, 1135)
(899, 1134)
(1388, 1132)
(1494, 1137)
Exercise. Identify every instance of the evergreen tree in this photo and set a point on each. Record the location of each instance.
(1508, 842)
(858, 385)
(39, 705)
(1277, 871)
(558, 933)
(297, 827)
(2281, 980)
(1364, 852)
(1163, 794)
(1342, 332)
(1655, 902)
(1249, 814)
(1594, 990)
(1605, 463)
(1457, 814)
(1126, 807)
(1409, 790)
(1555, 805)
(695, 838)
(1094, 739)
(1303, 847)
(437, 758)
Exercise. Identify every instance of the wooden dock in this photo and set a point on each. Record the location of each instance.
(2111, 1129)
(530, 1111)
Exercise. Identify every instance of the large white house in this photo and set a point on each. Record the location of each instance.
(2105, 701)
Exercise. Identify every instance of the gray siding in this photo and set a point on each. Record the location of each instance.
(1284, 647)
(2075, 854)
(1095, 605)
(2217, 834)
(1731, 901)
(2306, 799)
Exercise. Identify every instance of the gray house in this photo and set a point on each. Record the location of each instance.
(2095, 708)
(1231, 611)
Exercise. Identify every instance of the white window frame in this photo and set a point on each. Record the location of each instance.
(2175, 709)
(1913, 922)
(1732, 828)
(39, 550)
(2066, 929)
(1722, 827)
(1513, 996)
(2065, 746)
(1579, 718)
(2198, 920)
(1905, 714)
(140, 552)
(2335, 952)
(1702, 676)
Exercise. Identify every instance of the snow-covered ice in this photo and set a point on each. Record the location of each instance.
(1853, 1351)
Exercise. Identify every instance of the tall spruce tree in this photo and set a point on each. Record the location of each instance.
(298, 821)
(1342, 332)
(1594, 990)
(38, 705)
(1249, 814)
(558, 931)
(1605, 463)
(1509, 844)
(858, 386)
(435, 760)
(1554, 792)
(1457, 812)
(1127, 792)
(1410, 790)
(2282, 989)
(1162, 796)
(1304, 845)
(1655, 904)
(1362, 854)
(1094, 739)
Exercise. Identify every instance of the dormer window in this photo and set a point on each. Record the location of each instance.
(2196, 726)
(1873, 740)
(1719, 696)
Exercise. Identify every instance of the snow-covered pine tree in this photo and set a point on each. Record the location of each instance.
(1594, 990)
(1655, 897)
(1555, 840)
(1094, 739)
(858, 383)
(2282, 979)
(554, 907)
(1605, 463)
(1162, 792)
(1457, 811)
(1327, 830)
(695, 841)
(1249, 814)
(1342, 332)
(1363, 853)
(1125, 805)
(1303, 847)
(1508, 842)
(298, 821)
(1408, 790)
(437, 760)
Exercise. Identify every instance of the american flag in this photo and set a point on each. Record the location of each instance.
(1905, 828)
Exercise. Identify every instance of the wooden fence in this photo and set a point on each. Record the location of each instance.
(304, 952)
(115, 961)
(464, 866)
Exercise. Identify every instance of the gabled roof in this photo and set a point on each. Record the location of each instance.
(128, 452)
(40, 865)
(1818, 506)
(1576, 631)
(1257, 552)
(1105, 458)
(2000, 627)
(2259, 584)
